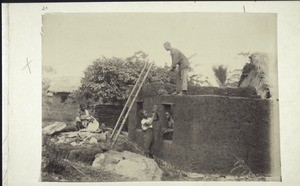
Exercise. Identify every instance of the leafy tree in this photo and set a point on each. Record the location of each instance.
(221, 74)
(108, 79)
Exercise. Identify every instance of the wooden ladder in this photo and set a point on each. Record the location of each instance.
(129, 103)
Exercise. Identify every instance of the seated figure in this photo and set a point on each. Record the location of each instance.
(168, 130)
(84, 121)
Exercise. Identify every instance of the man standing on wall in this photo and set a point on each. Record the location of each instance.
(178, 58)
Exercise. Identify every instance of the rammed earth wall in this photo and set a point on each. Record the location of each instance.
(210, 131)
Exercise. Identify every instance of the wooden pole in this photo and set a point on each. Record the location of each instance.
(124, 119)
(192, 56)
(128, 100)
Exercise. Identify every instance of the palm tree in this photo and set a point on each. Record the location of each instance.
(221, 74)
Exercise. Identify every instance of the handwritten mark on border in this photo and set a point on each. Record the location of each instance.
(27, 65)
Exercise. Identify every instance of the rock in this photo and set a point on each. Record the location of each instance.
(93, 140)
(134, 166)
(194, 175)
(61, 139)
(231, 178)
(72, 134)
(73, 143)
(55, 127)
(109, 129)
(100, 136)
(124, 133)
(84, 134)
(54, 140)
(80, 138)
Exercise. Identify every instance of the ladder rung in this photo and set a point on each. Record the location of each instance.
(144, 72)
(114, 138)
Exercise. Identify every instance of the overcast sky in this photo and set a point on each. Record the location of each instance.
(72, 41)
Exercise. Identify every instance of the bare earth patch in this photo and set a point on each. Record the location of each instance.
(69, 157)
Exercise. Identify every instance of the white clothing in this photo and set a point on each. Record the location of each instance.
(146, 123)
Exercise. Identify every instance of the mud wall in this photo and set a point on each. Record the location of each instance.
(156, 89)
(109, 115)
(210, 132)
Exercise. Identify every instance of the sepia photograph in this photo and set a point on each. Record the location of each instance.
(159, 96)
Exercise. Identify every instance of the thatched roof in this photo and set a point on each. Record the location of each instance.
(64, 84)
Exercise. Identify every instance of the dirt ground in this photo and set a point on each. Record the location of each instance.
(64, 163)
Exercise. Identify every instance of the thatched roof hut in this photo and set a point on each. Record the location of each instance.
(61, 88)
(66, 84)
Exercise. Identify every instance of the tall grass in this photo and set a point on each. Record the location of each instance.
(58, 111)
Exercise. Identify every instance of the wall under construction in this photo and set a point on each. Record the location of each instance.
(109, 115)
(211, 132)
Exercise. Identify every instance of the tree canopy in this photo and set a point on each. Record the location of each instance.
(109, 78)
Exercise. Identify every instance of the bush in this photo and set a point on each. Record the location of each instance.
(109, 79)
(56, 111)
